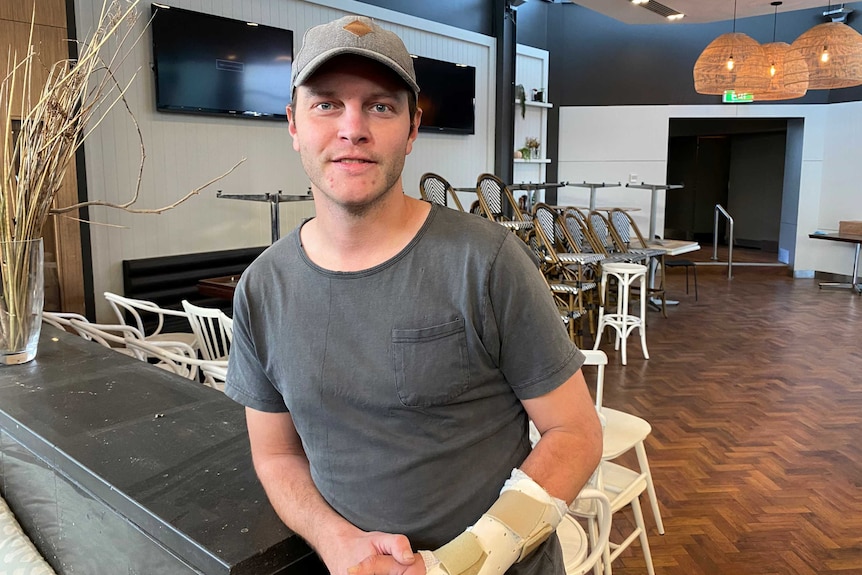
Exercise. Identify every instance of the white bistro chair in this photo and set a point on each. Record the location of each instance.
(621, 433)
(212, 329)
(112, 336)
(181, 359)
(137, 307)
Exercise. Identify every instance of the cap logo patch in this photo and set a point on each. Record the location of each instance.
(358, 28)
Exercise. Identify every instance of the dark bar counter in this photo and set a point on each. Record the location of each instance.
(115, 466)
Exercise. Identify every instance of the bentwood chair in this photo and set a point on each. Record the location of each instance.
(132, 312)
(181, 359)
(112, 336)
(493, 195)
(213, 335)
(437, 190)
(623, 432)
(581, 553)
(567, 271)
(633, 241)
(61, 320)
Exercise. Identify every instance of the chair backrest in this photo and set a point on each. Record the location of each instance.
(211, 334)
(555, 229)
(578, 226)
(599, 359)
(175, 356)
(112, 336)
(125, 307)
(490, 190)
(436, 189)
(605, 233)
(627, 229)
(61, 320)
(600, 506)
(181, 358)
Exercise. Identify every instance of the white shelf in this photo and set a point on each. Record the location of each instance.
(531, 161)
(536, 104)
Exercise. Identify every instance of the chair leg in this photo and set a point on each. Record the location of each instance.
(694, 270)
(639, 521)
(653, 500)
(642, 329)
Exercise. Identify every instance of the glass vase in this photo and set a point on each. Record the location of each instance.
(21, 300)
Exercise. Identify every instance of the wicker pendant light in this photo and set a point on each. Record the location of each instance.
(780, 68)
(732, 61)
(833, 55)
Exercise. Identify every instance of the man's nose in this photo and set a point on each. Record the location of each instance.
(354, 124)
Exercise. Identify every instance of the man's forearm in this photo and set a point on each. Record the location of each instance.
(562, 462)
(293, 495)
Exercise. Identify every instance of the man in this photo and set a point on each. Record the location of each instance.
(390, 353)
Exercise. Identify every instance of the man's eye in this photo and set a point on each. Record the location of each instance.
(381, 108)
(324, 106)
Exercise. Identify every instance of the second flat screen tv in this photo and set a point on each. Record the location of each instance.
(207, 64)
(447, 95)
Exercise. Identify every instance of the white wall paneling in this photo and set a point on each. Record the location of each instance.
(185, 151)
(610, 143)
(531, 71)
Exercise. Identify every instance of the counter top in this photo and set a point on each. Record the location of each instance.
(168, 454)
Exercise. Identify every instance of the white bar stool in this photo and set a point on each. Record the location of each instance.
(622, 321)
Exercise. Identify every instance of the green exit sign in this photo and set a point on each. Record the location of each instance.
(731, 97)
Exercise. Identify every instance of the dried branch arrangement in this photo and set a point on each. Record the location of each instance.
(55, 119)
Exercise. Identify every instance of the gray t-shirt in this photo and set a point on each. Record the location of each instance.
(404, 380)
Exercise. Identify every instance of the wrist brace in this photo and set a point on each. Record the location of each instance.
(519, 521)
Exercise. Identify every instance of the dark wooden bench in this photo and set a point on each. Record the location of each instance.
(168, 280)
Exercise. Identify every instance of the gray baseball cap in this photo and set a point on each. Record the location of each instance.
(358, 35)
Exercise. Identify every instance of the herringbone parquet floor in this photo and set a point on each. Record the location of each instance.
(754, 394)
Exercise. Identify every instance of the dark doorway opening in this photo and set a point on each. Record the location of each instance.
(741, 165)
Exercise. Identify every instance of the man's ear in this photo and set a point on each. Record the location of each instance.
(414, 129)
(291, 125)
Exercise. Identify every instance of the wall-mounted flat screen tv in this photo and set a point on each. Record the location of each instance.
(447, 96)
(207, 64)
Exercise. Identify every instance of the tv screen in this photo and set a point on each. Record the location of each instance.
(207, 64)
(447, 95)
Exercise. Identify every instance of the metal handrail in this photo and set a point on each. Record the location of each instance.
(720, 208)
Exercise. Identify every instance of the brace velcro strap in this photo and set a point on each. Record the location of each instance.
(524, 516)
(462, 556)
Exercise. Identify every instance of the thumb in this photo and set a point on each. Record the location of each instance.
(397, 546)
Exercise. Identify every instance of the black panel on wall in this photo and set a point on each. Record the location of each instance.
(533, 24)
(599, 61)
(473, 15)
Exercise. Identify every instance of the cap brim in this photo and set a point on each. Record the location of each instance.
(312, 66)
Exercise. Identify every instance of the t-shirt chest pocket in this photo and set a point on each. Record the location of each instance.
(431, 366)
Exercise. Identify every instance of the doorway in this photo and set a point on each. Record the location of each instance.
(741, 165)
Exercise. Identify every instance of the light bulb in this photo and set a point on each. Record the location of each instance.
(772, 70)
(824, 57)
(730, 63)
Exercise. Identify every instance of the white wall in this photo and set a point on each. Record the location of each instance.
(184, 151)
(608, 144)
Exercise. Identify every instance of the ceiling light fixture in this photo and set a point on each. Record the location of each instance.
(733, 61)
(832, 52)
(659, 8)
(781, 68)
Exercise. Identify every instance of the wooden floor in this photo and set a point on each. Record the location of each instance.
(754, 394)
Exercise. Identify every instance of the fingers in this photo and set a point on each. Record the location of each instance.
(397, 546)
(377, 565)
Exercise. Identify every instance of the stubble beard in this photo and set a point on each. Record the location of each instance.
(353, 209)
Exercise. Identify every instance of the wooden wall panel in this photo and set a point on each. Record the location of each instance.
(62, 236)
